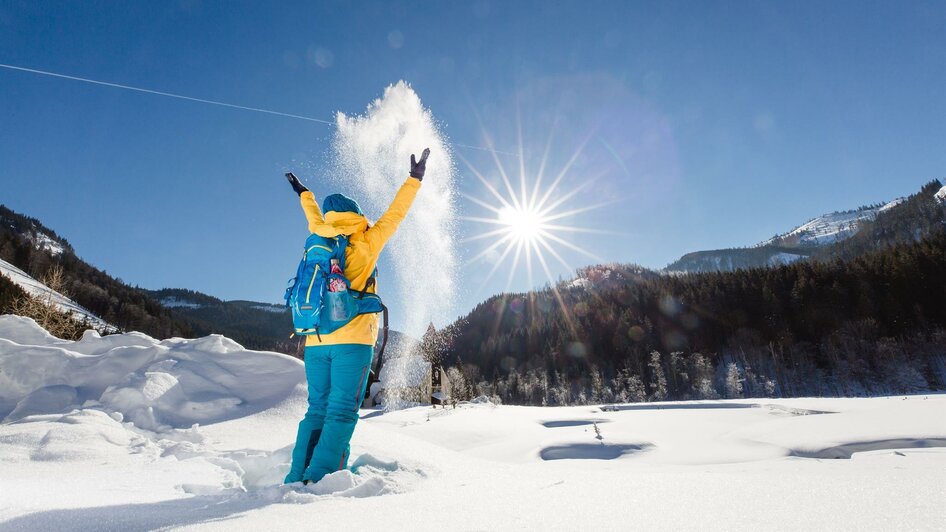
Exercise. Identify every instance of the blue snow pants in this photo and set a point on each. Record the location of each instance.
(337, 375)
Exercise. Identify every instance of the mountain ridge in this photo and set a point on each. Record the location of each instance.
(819, 237)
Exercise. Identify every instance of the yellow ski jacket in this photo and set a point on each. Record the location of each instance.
(364, 246)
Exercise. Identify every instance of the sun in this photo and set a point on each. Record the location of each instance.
(525, 221)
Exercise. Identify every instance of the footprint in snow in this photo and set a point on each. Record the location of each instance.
(369, 476)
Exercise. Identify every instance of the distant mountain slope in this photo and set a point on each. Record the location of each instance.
(33, 248)
(255, 325)
(872, 324)
(829, 228)
(909, 221)
(842, 234)
(727, 260)
(33, 231)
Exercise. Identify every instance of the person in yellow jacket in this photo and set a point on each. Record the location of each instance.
(337, 364)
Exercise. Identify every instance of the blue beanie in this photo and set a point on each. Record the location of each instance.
(340, 203)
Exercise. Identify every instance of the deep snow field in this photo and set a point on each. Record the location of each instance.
(130, 433)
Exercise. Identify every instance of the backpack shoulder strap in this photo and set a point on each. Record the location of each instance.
(341, 244)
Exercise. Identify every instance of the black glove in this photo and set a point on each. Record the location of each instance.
(419, 167)
(296, 185)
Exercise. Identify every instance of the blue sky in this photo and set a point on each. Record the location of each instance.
(709, 124)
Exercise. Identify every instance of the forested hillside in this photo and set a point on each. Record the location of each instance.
(872, 322)
(29, 245)
(909, 220)
(254, 325)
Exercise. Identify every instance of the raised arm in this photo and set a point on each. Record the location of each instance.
(309, 206)
(379, 234)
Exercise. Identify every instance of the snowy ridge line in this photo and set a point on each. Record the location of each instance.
(38, 289)
(829, 228)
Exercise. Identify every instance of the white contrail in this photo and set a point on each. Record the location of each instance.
(203, 100)
(161, 93)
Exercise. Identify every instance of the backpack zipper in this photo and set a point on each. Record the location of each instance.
(316, 246)
(308, 293)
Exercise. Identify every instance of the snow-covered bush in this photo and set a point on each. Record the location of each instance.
(733, 381)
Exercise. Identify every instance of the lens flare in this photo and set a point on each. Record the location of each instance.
(525, 224)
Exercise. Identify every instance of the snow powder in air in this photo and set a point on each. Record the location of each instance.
(372, 154)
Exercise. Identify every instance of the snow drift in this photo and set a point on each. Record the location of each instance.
(157, 385)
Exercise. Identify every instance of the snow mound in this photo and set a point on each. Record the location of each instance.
(161, 409)
(369, 477)
(156, 385)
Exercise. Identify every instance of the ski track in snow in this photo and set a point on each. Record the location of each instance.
(127, 432)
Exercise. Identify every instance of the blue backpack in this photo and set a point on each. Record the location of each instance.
(315, 309)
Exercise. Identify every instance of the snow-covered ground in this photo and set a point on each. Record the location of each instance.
(43, 241)
(173, 302)
(103, 434)
(784, 258)
(276, 309)
(38, 289)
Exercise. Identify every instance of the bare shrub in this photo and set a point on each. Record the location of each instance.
(44, 311)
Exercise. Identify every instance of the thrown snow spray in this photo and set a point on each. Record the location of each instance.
(372, 154)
